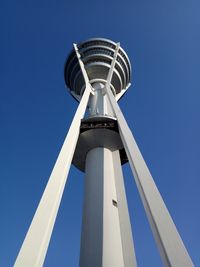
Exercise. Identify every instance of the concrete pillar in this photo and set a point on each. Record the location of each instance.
(99, 103)
(101, 244)
(171, 247)
(36, 242)
(106, 230)
(124, 219)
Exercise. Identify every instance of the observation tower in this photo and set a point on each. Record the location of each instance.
(97, 73)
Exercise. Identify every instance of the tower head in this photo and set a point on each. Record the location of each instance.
(97, 55)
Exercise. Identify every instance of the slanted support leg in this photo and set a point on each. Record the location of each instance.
(35, 245)
(169, 242)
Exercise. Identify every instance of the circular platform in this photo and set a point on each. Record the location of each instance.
(97, 55)
(98, 131)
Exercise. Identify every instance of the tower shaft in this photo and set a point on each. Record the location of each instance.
(101, 244)
(106, 230)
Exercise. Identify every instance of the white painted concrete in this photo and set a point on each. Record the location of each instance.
(124, 219)
(101, 244)
(170, 244)
(99, 104)
(35, 245)
(112, 243)
(106, 231)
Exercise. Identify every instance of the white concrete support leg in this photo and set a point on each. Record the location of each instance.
(34, 247)
(171, 247)
(101, 244)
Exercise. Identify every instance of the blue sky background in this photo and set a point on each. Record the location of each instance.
(162, 39)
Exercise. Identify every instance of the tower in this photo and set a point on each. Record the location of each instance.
(97, 73)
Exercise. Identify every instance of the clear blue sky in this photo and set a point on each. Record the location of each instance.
(162, 39)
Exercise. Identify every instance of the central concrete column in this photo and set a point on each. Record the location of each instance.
(99, 103)
(106, 239)
(101, 244)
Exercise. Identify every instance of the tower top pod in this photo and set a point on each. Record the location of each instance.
(97, 55)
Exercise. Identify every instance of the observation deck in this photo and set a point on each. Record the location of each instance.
(97, 55)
